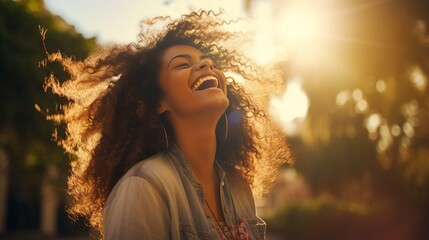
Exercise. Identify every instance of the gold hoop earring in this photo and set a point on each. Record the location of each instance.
(223, 128)
(226, 126)
(165, 136)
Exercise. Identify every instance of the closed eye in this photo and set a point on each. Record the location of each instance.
(183, 65)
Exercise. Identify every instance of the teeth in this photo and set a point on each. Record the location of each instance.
(200, 81)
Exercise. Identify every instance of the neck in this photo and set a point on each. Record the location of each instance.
(197, 140)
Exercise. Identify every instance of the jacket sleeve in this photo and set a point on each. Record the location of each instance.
(136, 211)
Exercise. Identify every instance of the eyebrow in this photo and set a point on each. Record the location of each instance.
(185, 56)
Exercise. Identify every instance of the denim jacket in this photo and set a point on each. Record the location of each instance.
(160, 198)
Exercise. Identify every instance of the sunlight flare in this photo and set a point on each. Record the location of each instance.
(290, 108)
(301, 25)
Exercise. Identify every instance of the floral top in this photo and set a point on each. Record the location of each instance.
(239, 233)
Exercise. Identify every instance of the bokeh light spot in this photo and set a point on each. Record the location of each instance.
(408, 129)
(357, 94)
(418, 79)
(361, 106)
(380, 86)
(373, 122)
(396, 130)
(234, 118)
(410, 109)
(342, 97)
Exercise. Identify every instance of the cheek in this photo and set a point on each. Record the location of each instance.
(180, 78)
(175, 87)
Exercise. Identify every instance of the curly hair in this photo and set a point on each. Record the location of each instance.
(111, 119)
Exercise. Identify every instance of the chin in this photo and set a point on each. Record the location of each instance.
(216, 106)
(222, 104)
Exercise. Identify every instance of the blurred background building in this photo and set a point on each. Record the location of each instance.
(354, 111)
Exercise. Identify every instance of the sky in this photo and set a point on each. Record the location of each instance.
(118, 20)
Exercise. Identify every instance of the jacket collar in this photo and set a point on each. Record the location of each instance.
(182, 164)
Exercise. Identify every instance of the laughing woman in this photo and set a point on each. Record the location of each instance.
(164, 145)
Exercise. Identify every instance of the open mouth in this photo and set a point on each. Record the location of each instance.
(205, 82)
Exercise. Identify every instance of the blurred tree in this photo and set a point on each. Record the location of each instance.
(368, 120)
(379, 105)
(24, 132)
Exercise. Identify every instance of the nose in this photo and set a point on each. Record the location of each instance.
(204, 63)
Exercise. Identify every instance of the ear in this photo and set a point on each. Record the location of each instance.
(162, 107)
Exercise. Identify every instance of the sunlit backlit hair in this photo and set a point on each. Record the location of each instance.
(111, 119)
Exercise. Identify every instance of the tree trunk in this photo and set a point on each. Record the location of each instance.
(49, 201)
(4, 184)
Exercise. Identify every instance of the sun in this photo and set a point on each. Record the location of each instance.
(295, 29)
(291, 108)
(300, 26)
(293, 32)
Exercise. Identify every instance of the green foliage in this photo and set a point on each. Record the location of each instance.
(327, 218)
(24, 132)
(378, 58)
(296, 218)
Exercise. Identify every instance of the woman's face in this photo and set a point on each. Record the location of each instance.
(190, 83)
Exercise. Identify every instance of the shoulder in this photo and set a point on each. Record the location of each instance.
(155, 173)
(138, 196)
(150, 165)
(156, 169)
